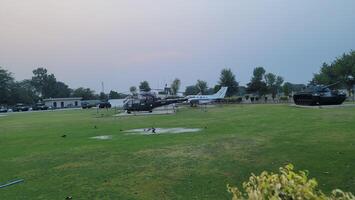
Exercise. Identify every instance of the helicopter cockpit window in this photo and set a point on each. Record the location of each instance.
(129, 103)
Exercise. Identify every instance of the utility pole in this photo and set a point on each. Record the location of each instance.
(102, 87)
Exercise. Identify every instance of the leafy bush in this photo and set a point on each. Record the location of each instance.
(234, 99)
(287, 185)
(284, 98)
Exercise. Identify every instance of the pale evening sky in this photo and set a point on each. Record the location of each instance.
(123, 42)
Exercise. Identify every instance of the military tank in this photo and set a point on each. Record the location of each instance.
(319, 95)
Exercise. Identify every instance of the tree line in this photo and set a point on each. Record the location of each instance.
(261, 83)
(341, 71)
(44, 85)
(40, 86)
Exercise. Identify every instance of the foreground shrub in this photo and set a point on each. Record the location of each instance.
(287, 185)
(232, 100)
(284, 98)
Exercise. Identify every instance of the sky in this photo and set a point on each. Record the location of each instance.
(123, 42)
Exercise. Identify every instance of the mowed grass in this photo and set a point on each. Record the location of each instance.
(235, 141)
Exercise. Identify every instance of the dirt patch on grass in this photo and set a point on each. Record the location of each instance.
(234, 147)
(102, 137)
(71, 165)
(153, 131)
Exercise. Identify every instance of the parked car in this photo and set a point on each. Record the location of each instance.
(104, 105)
(20, 107)
(3, 110)
(39, 106)
(86, 105)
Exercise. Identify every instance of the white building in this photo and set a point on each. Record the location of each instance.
(71, 102)
(116, 103)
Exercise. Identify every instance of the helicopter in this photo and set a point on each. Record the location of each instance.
(147, 101)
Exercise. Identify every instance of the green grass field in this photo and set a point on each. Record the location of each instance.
(236, 140)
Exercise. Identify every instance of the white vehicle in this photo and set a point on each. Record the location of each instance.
(205, 99)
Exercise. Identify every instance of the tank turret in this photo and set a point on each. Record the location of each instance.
(319, 95)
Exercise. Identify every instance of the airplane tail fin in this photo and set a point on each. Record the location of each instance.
(221, 93)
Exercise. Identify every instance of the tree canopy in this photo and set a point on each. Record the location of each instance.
(85, 93)
(273, 83)
(341, 70)
(144, 86)
(133, 90)
(227, 79)
(201, 86)
(175, 86)
(257, 85)
(115, 95)
(191, 90)
(6, 82)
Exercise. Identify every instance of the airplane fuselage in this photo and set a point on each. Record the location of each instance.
(205, 99)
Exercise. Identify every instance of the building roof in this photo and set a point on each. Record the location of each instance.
(63, 99)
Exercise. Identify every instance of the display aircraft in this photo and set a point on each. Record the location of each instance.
(147, 102)
(205, 99)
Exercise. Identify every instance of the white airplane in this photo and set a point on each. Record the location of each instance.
(204, 99)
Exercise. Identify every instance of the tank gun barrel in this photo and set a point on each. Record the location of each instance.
(330, 85)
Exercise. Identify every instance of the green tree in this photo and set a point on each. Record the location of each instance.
(216, 88)
(344, 68)
(341, 70)
(273, 83)
(191, 90)
(60, 90)
(103, 96)
(85, 93)
(6, 83)
(279, 82)
(201, 86)
(114, 95)
(175, 86)
(133, 90)
(270, 79)
(257, 84)
(259, 73)
(287, 88)
(144, 86)
(44, 83)
(23, 92)
(326, 76)
(227, 79)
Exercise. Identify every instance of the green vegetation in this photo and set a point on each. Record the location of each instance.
(236, 140)
(341, 70)
(175, 86)
(144, 86)
(227, 79)
(288, 184)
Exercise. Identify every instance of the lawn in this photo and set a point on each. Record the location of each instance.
(236, 140)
